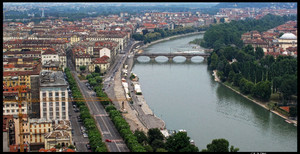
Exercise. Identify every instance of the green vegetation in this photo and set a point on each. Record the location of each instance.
(253, 73)
(219, 145)
(93, 133)
(148, 37)
(82, 68)
(225, 34)
(180, 142)
(124, 130)
(195, 41)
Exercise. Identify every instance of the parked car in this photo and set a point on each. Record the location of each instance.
(107, 140)
(88, 146)
(79, 119)
(85, 135)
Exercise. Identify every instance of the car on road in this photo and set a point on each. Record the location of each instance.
(107, 140)
(85, 135)
(79, 119)
(88, 146)
(76, 110)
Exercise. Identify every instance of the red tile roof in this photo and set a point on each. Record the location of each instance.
(101, 60)
(286, 108)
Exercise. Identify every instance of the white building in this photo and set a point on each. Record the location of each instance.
(53, 96)
(49, 55)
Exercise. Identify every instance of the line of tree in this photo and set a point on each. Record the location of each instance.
(94, 135)
(256, 74)
(230, 33)
(120, 123)
(124, 129)
(148, 37)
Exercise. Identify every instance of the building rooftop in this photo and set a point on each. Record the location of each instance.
(51, 78)
(288, 36)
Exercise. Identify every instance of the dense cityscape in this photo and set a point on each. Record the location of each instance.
(70, 81)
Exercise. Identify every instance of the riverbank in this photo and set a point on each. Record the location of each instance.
(171, 37)
(254, 101)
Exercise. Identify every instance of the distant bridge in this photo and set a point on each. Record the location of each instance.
(170, 56)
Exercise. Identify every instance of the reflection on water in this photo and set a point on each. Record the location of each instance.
(186, 96)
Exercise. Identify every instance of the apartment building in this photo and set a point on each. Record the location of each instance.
(53, 96)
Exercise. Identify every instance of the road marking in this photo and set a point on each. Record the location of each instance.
(101, 115)
(105, 132)
(119, 140)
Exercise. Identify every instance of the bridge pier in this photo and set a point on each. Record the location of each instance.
(152, 59)
(188, 59)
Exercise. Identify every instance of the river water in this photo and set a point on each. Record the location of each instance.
(186, 97)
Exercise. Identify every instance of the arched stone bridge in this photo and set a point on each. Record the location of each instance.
(170, 56)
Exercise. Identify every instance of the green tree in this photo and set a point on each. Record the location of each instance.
(230, 76)
(148, 148)
(157, 144)
(97, 69)
(288, 86)
(71, 147)
(98, 79)
(82, 68)
(259, 53)
(262, 90)
(219, 145)
(141, 137)
(179, 142)
(293, 111)
(154, 133)
(214, 61)
(101, 149)
(161, 150)
(89, 76)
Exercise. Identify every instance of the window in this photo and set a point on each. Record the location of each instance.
(56, 94)
(50, 94)
(12, 110)
(62, 94)
(56, 104)
(63, 103)
(44, 94)
(44, 104)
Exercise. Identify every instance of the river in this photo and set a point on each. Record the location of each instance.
(186, 97)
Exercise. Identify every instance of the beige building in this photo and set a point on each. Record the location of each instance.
(16, 128)
(61, 134)
(38, 129)
(82, 59)
(103, 63)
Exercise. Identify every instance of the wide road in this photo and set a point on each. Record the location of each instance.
(78, 139)
(103, 122)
